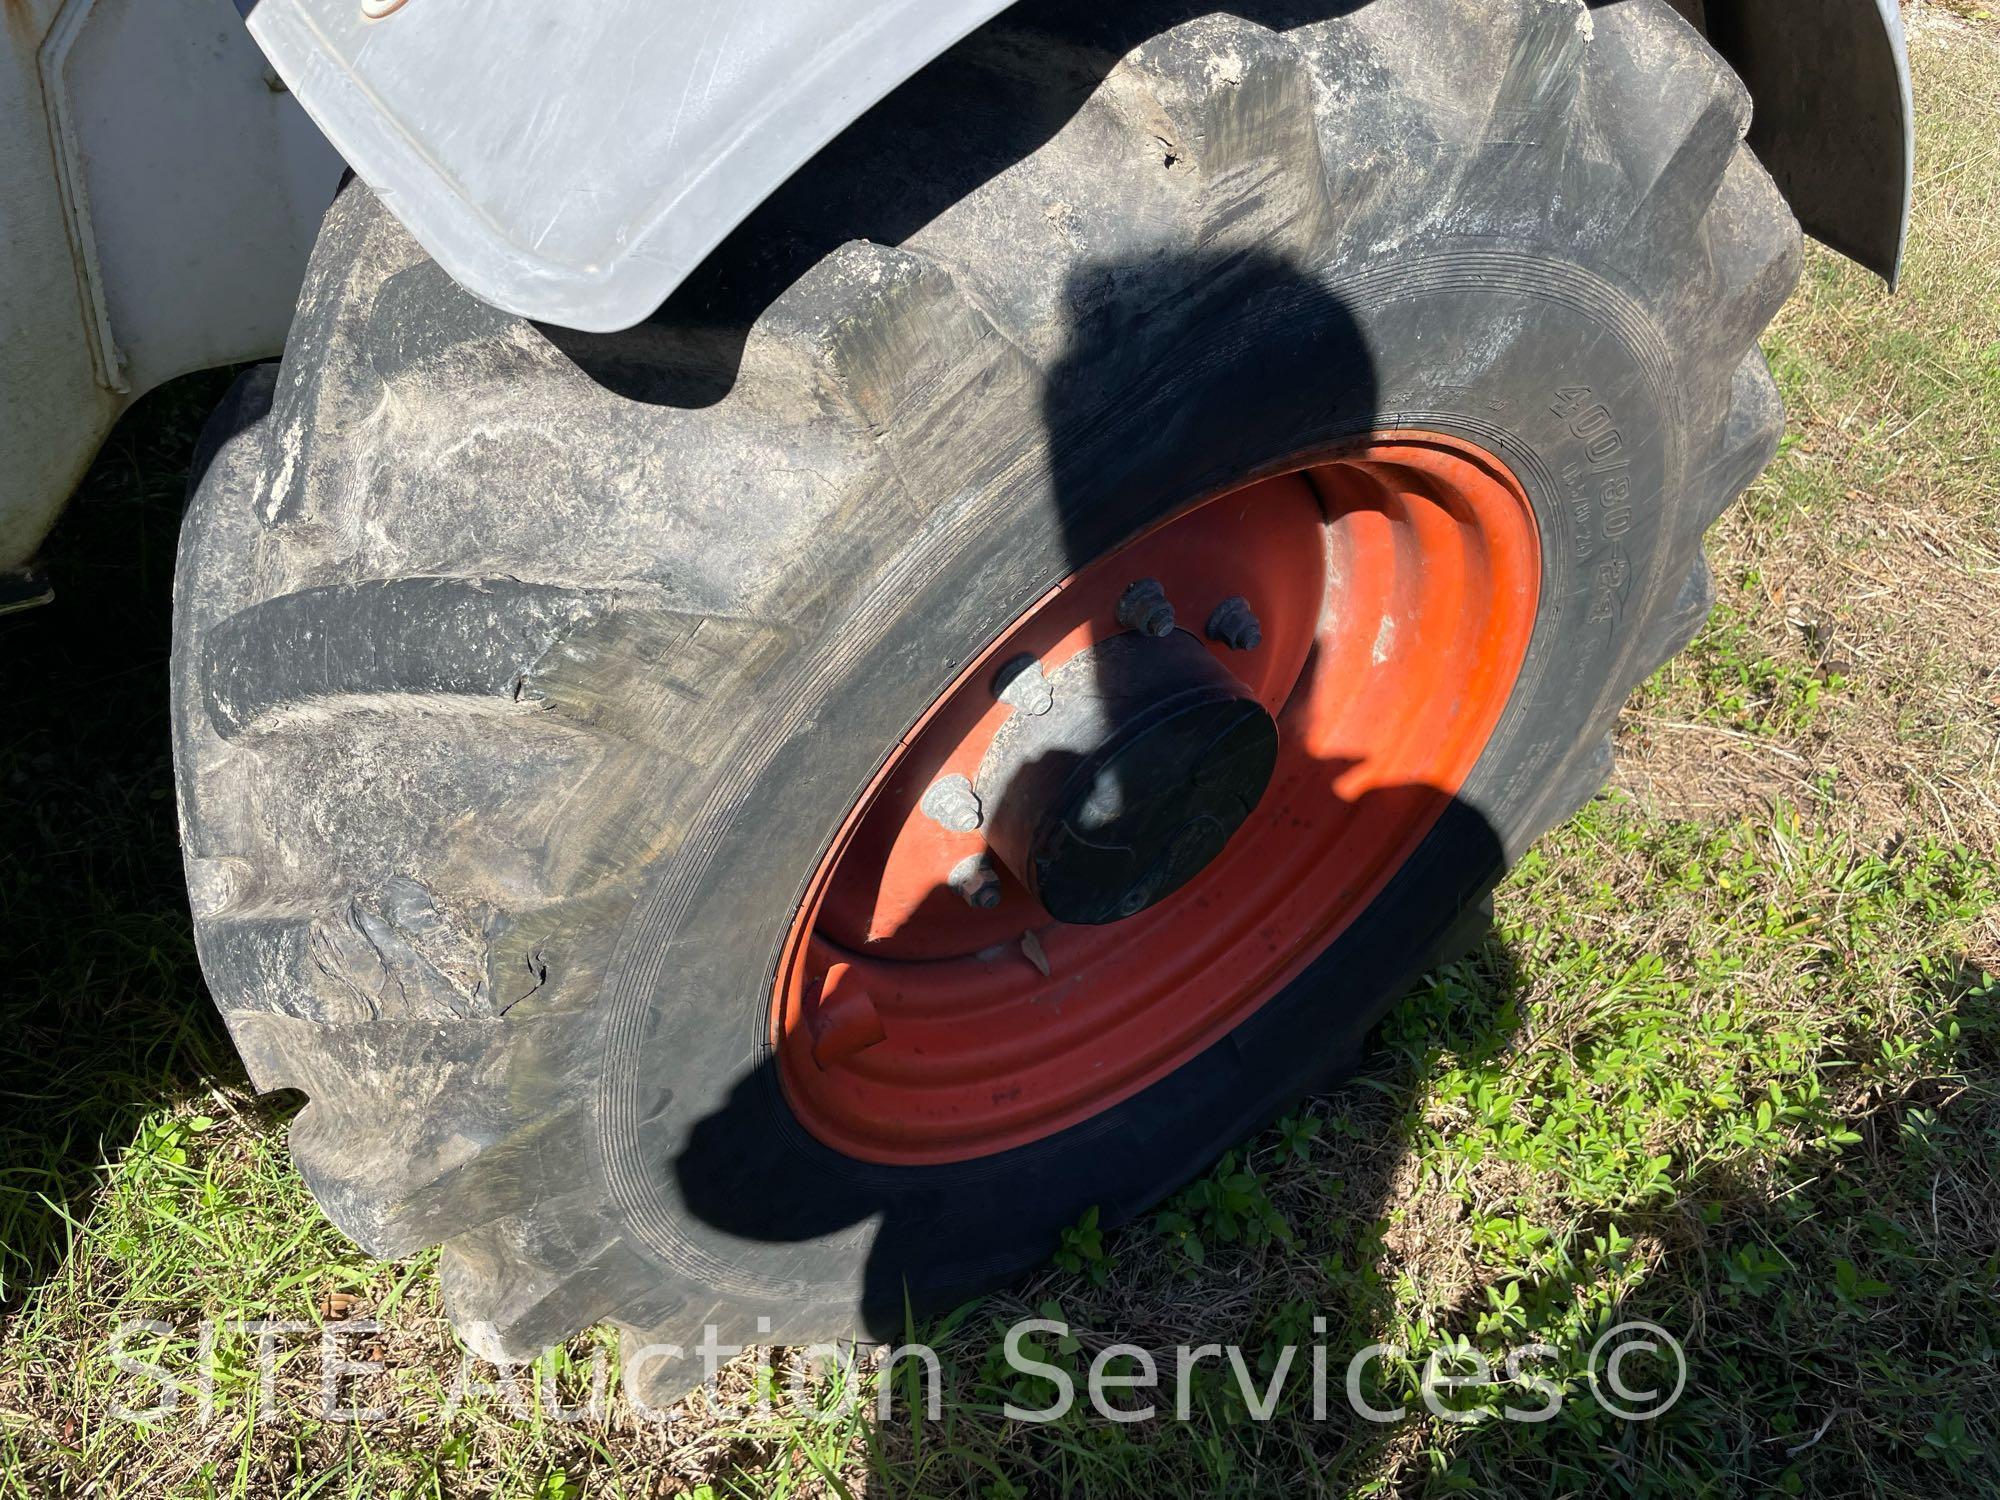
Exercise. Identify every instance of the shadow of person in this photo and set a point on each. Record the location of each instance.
(1163, 398)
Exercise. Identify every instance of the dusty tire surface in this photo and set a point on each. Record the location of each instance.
(522, 677)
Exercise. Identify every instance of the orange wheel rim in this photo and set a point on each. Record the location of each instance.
(1393, 586)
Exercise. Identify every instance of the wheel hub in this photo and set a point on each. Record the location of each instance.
(1148, 756)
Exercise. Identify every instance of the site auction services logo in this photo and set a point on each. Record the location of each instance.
(1635, 1371)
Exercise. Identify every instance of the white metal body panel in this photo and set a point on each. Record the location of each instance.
(159, 193)
(573, 162)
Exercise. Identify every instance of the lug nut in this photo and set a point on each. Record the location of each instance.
(1021, 684)
(977, 881)
(1143, 607)
(951, 803)
(1234, 625)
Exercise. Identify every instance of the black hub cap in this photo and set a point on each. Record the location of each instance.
(1147, 759)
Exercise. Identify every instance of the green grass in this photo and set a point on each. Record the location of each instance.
(1730, 1062)
(1727, 1115)
(1732, 677)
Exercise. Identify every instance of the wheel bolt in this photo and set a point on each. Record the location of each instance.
(977, 881)
(951, 803)
(1234, 625)
(1021, 684)
(1143, 607)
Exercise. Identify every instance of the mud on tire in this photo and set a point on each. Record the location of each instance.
(523, 676)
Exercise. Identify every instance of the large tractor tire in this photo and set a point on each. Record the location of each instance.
(987, 697)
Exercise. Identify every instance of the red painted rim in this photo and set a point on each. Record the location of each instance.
(1395, 583)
